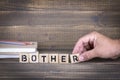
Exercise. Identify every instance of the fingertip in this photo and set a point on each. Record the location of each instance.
(87, 56)
(74, 52)
(81, 58)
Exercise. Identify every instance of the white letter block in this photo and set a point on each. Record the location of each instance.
(53, 58)
(63, 58)
(23, 58)
(43, 58)
(74, 58)
(33, 57)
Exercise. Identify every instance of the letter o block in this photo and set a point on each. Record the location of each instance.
(33, 57)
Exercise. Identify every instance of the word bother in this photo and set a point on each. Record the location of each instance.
(48, 58)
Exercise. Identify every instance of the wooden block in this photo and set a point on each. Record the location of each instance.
(43, 58)
(74, 58)
(23, 58)
(33, 57)
(53, 58)
(63, 58)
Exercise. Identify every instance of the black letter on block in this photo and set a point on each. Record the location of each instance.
(33, 57)
(63, 59)
(75, 58)
(53, 58)
(24, 58)
(43, 58)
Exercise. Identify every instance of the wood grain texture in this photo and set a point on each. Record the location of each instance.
(107, 69)
(56, 25)
(58, 17)
(57, 29)
(54, 37)
(20, 5)
(11, 69)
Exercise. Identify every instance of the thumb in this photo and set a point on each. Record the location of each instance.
(87, 55)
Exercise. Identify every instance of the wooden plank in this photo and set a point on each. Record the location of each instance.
(57, 29)
(47, 17)
(67, 18)
(89, 70)
(93, 69)
(21, 5)
(54, 37)
(93, 65)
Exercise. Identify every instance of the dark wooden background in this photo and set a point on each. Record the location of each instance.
(56, 25)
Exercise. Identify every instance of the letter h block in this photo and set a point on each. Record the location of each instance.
(53, 58)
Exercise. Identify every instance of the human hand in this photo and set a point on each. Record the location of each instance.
(96, 45)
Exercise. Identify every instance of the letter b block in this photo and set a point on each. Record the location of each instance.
(23, 58)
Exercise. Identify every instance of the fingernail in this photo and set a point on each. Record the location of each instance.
(81, 58)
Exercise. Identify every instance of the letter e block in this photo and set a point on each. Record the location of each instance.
(63, 58)
(43, 58)
(33, 57)
(74, 58)
(53, 58)
(23, 58)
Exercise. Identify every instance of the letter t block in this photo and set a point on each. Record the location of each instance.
(43, 58)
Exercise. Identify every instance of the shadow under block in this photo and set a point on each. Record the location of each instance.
(43, 58)
(53, 58)
(33, 58)
(63, 58)
(24, 58)
(74, 58)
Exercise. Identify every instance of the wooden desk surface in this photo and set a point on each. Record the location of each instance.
(58, 24)
(11, 69)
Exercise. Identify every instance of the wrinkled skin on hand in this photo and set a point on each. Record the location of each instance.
(96, 45)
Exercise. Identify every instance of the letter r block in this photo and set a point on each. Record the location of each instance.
(74, 58)
(23, 58)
